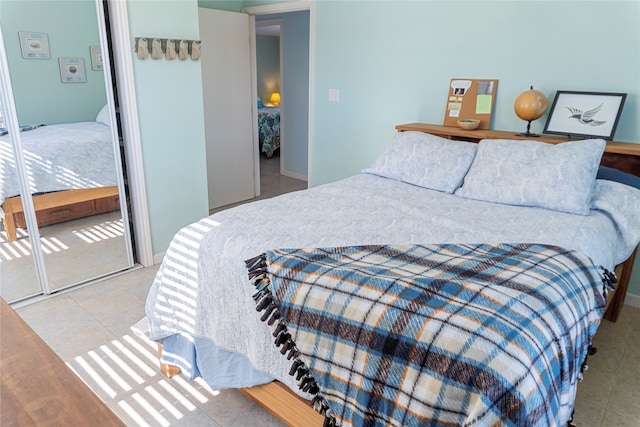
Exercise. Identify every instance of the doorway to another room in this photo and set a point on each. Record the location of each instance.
(273, 158)
(283, 82)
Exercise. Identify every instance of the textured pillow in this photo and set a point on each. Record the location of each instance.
(103, 116)
(530, 173)
(425, 160)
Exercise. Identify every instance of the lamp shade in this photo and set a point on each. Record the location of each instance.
(275, 98)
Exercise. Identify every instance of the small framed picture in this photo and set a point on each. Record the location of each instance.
(72, 70)
(34, 45)
(96, 58)
(585, 114)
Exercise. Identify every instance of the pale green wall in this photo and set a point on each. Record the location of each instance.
(393, 60)
(40, 95)
(171, 120)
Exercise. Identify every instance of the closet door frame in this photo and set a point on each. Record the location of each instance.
(123, 67)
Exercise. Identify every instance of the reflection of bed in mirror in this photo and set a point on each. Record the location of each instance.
(71, 170)
(269, 129)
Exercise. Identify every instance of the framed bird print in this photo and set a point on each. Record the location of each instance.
(585, 114)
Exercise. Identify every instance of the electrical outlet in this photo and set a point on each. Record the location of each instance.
(334, 95)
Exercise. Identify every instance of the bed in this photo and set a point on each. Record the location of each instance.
(269, 129)
(503, 289)
(71, 169)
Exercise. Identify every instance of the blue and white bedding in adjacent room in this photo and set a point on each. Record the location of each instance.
(269, 129)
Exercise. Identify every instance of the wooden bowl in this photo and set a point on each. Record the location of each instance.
(468, 124)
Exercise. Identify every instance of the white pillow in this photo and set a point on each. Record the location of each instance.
(531, 173)
(103, 116)
(425, 160)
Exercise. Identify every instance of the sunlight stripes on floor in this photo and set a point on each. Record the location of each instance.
(126, 371)
(51, 244)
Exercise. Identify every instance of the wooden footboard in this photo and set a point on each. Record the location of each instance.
(274, 397)
(60, 206)
(284, 404)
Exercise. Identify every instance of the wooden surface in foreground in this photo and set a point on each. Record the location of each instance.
(37, 387)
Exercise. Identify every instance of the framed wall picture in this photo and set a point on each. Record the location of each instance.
(585, 114)
(34, 45)
(72, 70)
(96, 58)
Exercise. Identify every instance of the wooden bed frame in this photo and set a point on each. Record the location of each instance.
(60, 206)
(294, 411)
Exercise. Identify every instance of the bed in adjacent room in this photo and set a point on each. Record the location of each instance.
(71, 169)
(423, 290)
(269, 129)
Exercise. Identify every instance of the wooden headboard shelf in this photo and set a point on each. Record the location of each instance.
(624, 156)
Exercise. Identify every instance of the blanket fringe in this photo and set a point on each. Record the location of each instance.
(265, 303)
(609, 279)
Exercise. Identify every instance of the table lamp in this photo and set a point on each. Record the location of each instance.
(275, 98)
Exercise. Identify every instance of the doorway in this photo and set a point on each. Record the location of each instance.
(231, 101)
(62, 190)
(292, 27)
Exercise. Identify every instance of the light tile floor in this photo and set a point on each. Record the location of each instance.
(90, 329)
(610, 393)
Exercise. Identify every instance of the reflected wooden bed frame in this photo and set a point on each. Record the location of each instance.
(294, 411)
(60, 206)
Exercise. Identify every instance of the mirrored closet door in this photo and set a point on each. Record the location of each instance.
(64, 212)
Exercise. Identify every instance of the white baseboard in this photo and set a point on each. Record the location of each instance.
(633, 300)
(157, 258)
(294, 175)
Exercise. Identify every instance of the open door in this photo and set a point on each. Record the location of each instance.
(228, 106)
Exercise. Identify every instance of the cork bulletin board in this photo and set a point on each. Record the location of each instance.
(470, 99)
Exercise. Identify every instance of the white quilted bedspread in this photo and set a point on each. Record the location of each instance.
(202, 288)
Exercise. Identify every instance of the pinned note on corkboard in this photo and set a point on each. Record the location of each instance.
(470, 99)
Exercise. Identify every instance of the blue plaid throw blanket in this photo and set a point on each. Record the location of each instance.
(434, 334)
